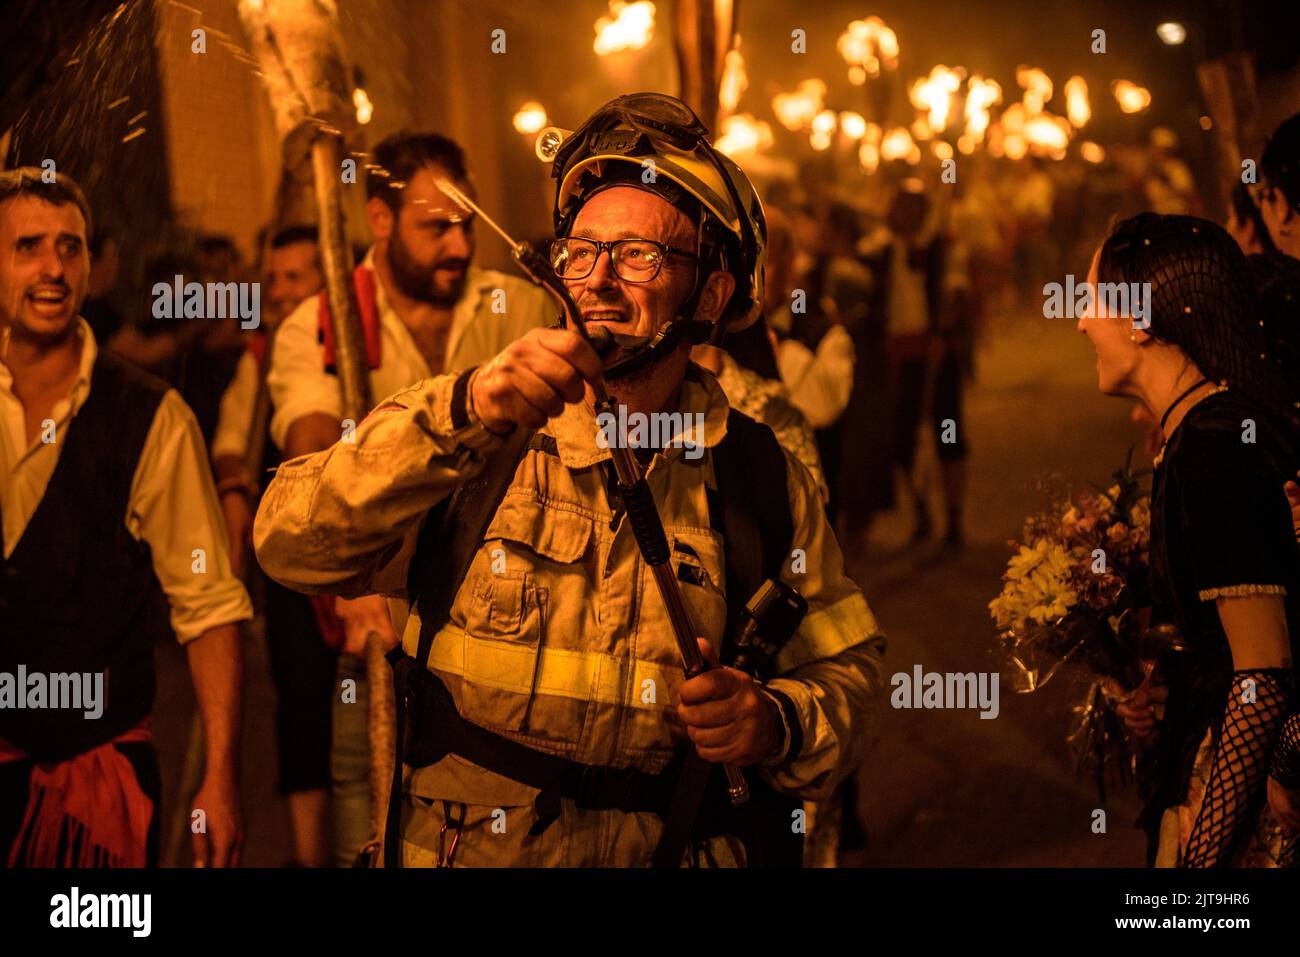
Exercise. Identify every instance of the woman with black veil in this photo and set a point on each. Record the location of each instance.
(1225, 569)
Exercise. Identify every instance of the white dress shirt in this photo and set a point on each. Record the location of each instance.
(483, 323)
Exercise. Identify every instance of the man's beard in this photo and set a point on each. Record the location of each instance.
(420, 283)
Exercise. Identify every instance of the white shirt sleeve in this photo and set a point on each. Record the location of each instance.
(820, 383)
(298, 381)
(236, 416)
(173, 508)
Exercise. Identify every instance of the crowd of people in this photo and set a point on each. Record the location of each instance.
(558, 726)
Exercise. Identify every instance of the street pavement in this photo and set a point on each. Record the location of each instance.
(946, 787)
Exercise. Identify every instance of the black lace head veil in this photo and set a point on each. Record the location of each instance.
(1203, 300)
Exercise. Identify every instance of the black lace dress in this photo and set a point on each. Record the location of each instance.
(1220, 526)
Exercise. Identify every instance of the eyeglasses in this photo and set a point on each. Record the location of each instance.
(634, 260)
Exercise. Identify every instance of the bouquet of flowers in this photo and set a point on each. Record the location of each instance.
(1075, 594)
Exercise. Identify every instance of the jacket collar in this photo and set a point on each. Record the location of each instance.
(577, 433)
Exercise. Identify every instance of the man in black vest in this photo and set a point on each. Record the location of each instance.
(112, 541)
(555, 714)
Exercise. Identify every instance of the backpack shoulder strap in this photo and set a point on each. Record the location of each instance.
(448, 541)
(750, 508)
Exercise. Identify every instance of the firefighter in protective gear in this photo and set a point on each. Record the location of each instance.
(557, 652)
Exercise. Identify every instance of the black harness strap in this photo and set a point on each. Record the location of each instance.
(448, 541)
(750, 509)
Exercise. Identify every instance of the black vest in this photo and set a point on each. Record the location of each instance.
(79, 593)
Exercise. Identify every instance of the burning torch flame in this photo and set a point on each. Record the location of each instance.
(898, 144)
(869, 157)
(865, 45)
(1092, 152)
(854, 125)
(1077, 107)
(1037, 86)
(796, 110)
(742, 136)
(530, 118)
(980, 95)
(1131, 97)
(1047, 133)
(628, 27)
(934, 93)
(735, 79)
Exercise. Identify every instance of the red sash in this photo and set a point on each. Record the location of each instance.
(91, 804)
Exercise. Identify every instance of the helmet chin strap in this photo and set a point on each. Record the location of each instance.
(641, 351)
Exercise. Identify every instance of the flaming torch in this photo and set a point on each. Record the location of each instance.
(866, 46)
(1037, 86)
(796, 110)
(934, 94)
(629, 26)
(1131, 97)
(980, 95)
(1077, 107)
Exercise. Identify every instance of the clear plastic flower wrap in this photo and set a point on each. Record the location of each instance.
(1075, 597)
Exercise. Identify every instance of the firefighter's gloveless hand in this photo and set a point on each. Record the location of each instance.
(531, 379)
(727, 717)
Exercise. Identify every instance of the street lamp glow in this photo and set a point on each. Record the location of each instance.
(1171, 33)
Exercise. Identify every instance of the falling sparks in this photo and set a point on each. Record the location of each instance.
(116, 103)
(134, 134)
(1077, 106)
(1131, 97)
(796, 110)
(980, 95)
(1037, 86)
(866, 46)
(735, 79)
(530, 118)
(629, 26)
(935, 95)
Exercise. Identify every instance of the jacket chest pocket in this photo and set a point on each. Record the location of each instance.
(524, 601)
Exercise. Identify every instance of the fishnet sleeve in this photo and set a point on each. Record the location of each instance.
(1257, 707)
(1286, 756)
